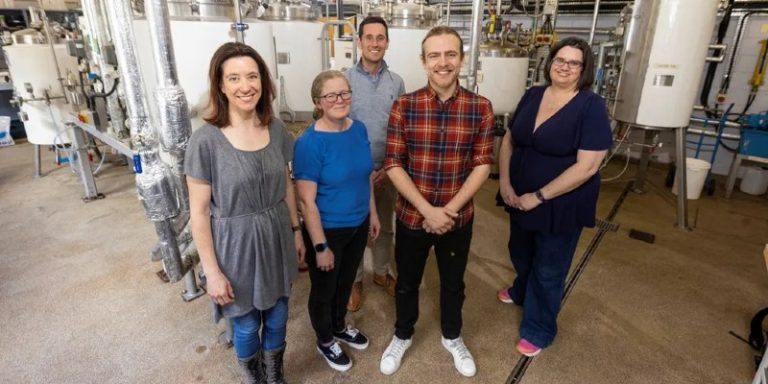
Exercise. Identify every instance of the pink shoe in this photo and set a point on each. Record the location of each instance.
(526, 348)
(503, 296)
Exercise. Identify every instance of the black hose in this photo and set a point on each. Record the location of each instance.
(708, 79)
(111, 91)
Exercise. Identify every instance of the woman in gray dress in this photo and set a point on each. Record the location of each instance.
(243, 209)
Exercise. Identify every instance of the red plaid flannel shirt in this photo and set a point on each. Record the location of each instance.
(438, 144)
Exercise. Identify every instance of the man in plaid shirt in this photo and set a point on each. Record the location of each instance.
(439, 153)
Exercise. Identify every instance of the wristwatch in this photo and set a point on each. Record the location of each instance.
(320, 247)
(540, 196)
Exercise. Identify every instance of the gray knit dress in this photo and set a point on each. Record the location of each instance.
(251, 226)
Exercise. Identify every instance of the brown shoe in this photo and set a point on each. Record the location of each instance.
(356, 298)
(387, 281)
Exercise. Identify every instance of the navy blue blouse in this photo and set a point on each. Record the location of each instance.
(539, 157)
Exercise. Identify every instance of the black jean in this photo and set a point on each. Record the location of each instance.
(411, 253)
(330, 290)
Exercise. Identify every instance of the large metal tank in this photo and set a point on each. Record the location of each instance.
(408, 24)
(195, 39)
(502, 74)
(299, 51)
(665, 50)
(32, 67)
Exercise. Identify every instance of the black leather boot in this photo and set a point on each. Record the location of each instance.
(273, 366)
(254, 369)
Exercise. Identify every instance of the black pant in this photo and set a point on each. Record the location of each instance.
(411, 252)
(330, 290)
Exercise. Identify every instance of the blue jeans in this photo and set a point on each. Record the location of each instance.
(245, 330)
(542, 261)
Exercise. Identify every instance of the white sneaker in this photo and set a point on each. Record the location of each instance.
(462, 358)
(393, 355)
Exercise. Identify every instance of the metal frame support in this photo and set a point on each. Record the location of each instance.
(38, 171)
(645, 156)
(191, 291)
(682, 187)
(86, 174)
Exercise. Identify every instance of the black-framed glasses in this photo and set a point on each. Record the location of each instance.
(334, 97)
(572, 64)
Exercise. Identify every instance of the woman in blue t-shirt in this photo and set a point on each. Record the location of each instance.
(332, 166)
(549, 182)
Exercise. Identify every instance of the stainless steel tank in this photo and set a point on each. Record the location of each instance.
(408, 24)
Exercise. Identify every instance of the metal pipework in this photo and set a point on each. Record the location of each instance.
(324, 37)
(173, 110)
(474, 44)
(238, 26)
(154, 182)
(94, 13)
(47, 29)
(594, 22)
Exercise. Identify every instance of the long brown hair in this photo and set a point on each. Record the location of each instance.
(217, 102)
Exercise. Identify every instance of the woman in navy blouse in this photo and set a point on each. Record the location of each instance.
(549, 183)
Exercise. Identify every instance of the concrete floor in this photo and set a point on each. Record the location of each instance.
(81, 302)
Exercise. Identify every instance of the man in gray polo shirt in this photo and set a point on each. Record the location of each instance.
(374, 89)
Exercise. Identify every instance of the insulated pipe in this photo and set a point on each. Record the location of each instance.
(173, 109)
(93, 11)
(594, 22)
(474, 44)
(153, 179)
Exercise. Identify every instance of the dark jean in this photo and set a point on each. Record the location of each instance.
(245, 330)
(542, 261)
(329, 294)
(411, 253)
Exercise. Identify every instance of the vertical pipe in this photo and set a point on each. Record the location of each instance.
(94, 13)
(154, 183)
(594, 22)
(474, 44)
(498, 8)
(448, 13)
(48, 36)
(682, 188)
(239, 26)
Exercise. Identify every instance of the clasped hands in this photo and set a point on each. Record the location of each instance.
(524, 202)
(439, 220)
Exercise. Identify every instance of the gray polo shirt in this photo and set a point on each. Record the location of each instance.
(372, 98)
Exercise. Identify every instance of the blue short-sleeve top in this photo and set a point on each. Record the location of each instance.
(341, 164)
(539, 157)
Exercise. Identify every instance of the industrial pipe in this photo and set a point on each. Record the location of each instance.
(474, 44)
(594, 22)
(153, 178)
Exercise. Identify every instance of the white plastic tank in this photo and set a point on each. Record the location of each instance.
(502, 72)
(33, 64)
(404, 56)
(299, 59)
(665, 50)
(194, 43)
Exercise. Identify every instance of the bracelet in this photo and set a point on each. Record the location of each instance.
(296, 228)
(540, 196)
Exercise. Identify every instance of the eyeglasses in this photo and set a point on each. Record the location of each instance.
(334, 97)
(572, 64)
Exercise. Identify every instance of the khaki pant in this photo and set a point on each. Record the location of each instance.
(382, 249)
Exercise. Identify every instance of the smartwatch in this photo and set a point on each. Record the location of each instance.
(540, 196)
(320, 247)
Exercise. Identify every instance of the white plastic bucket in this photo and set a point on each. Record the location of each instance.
(696, 175)
(755, 181)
